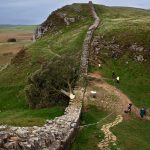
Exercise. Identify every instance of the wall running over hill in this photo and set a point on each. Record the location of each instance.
(87, 42)
(56, 134)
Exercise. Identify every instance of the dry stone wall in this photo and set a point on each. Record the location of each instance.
(87, 42)
(52, 136)
(56, 134)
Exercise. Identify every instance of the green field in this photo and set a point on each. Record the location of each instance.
(17, 29)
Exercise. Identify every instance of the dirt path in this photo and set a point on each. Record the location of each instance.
(109, 137)
(124, 99)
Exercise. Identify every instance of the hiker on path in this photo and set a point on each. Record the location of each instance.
(142, 112)
(118, 79)
(129, 107)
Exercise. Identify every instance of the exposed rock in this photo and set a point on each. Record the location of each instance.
(137, 48)
(139, 58)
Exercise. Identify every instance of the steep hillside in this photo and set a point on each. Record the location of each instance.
(63, 42)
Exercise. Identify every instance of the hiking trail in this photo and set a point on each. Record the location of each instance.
(123, 98)
(109, 136)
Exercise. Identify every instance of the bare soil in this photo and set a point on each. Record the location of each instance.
(9, 50)
(109, 97)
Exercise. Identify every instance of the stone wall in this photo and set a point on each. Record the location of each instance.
(56, 134)
(87, 42)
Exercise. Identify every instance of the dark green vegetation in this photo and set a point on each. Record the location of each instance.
(89, 137)
(45, 85)
(65, 43)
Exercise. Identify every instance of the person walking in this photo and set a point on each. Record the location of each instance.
(142, 112)
(118, 80)
(129, 107)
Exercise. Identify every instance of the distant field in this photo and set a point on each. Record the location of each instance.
(23, 35)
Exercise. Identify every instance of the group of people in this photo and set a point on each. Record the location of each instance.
(142, 112)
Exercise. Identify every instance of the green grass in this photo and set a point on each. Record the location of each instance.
(134, 79)
(133, 134)
(88, 137)
(66, 41)
(27, 117)
(127, 25)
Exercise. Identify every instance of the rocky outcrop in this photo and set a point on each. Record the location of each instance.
(55, 21)
(101, 48)
(87, 42)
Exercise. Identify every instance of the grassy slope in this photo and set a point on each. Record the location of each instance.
(13, 79)
(129, 26)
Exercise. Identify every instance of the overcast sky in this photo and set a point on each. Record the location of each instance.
(36, 11)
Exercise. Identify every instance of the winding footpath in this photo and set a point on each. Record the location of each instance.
(109, 136)
(124, 99)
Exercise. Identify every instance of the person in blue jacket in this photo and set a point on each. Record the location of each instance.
(142, 112)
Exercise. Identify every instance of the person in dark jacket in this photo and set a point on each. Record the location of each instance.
(129, 107)
(142, 112)
(113, 75)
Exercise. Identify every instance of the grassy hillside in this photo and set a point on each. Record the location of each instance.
(124, 28)
(66, 41)
(120, 29)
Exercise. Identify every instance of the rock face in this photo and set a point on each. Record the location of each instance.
(56, 134)
(57, 20)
